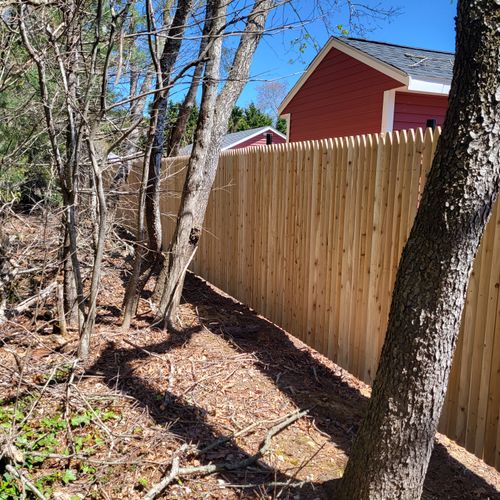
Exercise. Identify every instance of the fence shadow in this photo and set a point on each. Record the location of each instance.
(336, 406)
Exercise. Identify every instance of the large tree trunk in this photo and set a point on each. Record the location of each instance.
(202, 168)
(199, 172)
(391, 452)
(175, 135)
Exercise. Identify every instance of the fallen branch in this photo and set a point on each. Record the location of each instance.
(176, 471)
(149, 353)
(25, 481)
(26, 304)
(267, 486)
(225, 439)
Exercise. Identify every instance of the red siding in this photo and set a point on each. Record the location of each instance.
(259, 140)
(341, 97)
(413, 110)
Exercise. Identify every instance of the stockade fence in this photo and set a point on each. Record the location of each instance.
(310, 235)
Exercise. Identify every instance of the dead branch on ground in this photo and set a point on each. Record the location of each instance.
(176, 471)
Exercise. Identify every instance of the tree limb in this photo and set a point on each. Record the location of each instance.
(176, 471)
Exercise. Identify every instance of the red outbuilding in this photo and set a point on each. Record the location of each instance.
(356, 86)
(246, 138)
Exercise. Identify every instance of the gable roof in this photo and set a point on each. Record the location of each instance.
(419, 70)
(415, 62)
(235, 138)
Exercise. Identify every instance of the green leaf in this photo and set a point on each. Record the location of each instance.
(79, 420)
(68, 476)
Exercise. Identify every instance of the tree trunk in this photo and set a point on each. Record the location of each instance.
(202, 168)
(390, 456)
(187, 230)
(175, 136)
(88, 324)
(132, 141)
(150, 195)
(69, 294)
(131, 298)
(168, 59)
(7, 274)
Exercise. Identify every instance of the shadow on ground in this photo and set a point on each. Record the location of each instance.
(335, 406)
(185, 421)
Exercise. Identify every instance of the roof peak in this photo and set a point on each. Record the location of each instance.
(379, 42)
(232, 139)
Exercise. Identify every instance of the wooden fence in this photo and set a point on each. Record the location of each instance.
(310, 235)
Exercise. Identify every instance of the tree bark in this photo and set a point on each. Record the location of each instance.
(145, 262)
(7, 274)
(391, 453)
(167, 61)
(88, 324)
(202, 168)
(175, 136)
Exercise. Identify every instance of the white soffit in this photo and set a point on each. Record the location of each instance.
(428, 87)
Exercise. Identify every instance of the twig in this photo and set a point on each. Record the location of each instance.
(86, 458)
(210, 468)
(25, 481)
(101, 424)
(301, 467)
(67, 404)
(170, 386)
(42, 392)
(165, 360)
(174, 471)
(202, 379)
(26, 304)
(63, 327)
(153, 354)
(267, 486)
(225, 439)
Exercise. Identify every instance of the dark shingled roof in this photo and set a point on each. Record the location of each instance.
(417, 63)
(230, 139)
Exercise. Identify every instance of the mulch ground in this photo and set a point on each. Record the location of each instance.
(117, 423)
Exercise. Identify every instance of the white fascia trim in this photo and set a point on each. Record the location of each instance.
(388, 111)
(255, 134)
(361, 56)
(429, 86)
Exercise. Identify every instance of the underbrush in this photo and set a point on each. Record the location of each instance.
(53, 444)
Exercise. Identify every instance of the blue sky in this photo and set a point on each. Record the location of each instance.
(421, 23)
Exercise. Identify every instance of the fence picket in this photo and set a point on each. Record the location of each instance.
(310, 234)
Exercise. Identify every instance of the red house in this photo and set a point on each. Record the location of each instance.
(356, 86)
(252, 137)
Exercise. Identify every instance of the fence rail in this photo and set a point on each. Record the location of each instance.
(310, 235)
